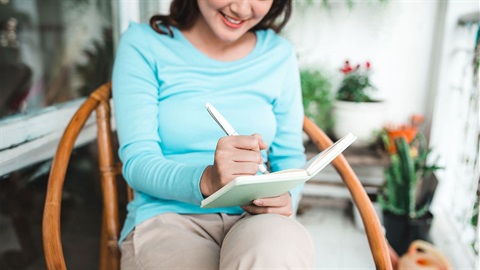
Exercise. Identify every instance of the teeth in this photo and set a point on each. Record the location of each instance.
(232, 20)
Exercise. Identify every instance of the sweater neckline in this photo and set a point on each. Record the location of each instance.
(203, 57)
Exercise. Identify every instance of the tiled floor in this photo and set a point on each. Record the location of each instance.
(340, 244)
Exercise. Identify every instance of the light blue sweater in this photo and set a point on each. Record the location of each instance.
(167, 138)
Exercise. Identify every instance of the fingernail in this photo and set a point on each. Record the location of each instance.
(257, 202)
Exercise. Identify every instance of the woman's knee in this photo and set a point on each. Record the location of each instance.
(274, 240)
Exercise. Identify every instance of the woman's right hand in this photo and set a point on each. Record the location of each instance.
(234, 156)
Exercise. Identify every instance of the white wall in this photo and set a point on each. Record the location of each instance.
(396, 36)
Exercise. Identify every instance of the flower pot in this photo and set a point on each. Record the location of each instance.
(423, 255)
(401, 231)
(363, 119)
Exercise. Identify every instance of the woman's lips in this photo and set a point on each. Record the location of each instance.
(231, 22)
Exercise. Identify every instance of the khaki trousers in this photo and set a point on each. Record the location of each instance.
(218, 241)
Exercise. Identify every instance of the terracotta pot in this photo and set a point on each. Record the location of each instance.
(422, 255)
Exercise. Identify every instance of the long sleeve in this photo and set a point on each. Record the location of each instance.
(135, 94)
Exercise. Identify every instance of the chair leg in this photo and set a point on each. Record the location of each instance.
(109, 252)
(103, 260)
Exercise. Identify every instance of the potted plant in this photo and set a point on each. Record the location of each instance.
(355, 109)
(317, 98)
(409, 186)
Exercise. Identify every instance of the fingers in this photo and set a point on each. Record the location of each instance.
(281, 205)
(239, 149)
(234, 156)
(254, 142)
(261, 143)
(234, 168)
(279, 201)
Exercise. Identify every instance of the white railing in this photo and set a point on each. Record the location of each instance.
(27, 139)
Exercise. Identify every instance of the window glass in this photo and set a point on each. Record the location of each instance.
(52, 51)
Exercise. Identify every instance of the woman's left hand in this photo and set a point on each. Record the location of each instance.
(281, 205)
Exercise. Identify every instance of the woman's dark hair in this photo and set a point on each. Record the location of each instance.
(184, 13)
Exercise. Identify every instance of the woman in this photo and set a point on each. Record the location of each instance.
(227, 53)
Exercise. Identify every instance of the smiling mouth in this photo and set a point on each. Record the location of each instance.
(232, 20)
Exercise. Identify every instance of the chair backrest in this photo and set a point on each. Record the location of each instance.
(373, 228)
(109, 252)
(99, 101)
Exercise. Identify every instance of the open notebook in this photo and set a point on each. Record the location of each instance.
(244, 189)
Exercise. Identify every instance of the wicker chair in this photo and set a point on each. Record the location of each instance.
(99, 101)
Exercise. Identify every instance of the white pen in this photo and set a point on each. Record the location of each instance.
(228, 129)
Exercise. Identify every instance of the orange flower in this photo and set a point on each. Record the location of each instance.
(406, 131)
(409, 132)
(417, 119)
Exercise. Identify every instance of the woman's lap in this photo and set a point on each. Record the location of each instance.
(214, 241)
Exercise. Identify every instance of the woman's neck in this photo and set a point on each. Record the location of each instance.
(204, 39)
